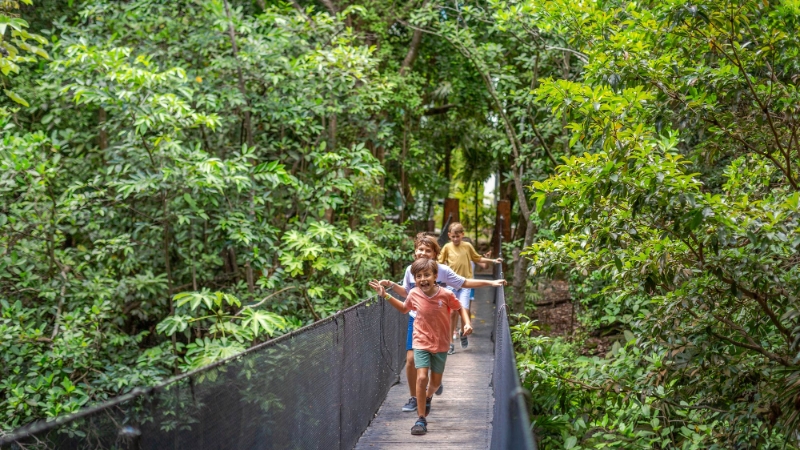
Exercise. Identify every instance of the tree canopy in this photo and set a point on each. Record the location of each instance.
(182, 180)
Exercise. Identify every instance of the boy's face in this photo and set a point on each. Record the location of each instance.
(426, 280)
(423, 251)
(456, 237)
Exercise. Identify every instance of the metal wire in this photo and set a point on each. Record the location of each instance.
(511, 424)
(316, 388)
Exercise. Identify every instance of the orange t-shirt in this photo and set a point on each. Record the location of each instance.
(432, 325)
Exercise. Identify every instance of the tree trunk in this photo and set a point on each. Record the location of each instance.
(521, 272)
(330, 6)
(413, 49)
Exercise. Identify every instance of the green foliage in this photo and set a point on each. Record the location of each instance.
(159, 176)
(219, 324)
(620, 401)
(684, 207)
(22, 47)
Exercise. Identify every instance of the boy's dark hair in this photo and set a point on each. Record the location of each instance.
(428, 241)
(424, 264)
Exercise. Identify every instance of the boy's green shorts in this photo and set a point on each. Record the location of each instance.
(424, 358)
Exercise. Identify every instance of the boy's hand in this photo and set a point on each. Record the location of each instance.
(375, 284)
(386, 283)
(498, 283)
(467, 329)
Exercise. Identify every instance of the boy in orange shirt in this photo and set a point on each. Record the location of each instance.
(432, 331)
(426, 247)
(458, 255)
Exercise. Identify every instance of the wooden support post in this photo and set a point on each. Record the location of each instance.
(450, 208)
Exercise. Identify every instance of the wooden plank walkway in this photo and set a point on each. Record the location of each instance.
(461, 417)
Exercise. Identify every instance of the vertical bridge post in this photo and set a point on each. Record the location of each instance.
(450, 212)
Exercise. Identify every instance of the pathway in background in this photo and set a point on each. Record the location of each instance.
(461, 417)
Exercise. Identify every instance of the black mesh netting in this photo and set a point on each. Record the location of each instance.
(316, 388)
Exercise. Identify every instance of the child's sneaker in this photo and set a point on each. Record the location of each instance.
(420, 427)
(464, 342)
(440, 390)
(411, 405)
(428, 405)
(452, 349)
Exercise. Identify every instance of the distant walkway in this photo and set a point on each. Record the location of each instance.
(461, 417)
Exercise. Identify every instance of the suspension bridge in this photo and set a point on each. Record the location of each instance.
(336, 384)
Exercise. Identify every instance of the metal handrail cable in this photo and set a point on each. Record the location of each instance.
(511, 428)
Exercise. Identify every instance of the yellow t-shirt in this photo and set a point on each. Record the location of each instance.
(459, 258)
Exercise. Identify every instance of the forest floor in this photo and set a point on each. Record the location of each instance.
(557, 315)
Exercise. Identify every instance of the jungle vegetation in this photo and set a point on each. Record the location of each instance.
(182, 180)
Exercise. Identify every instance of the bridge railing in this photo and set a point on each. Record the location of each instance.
(314, 388)
(511, 426)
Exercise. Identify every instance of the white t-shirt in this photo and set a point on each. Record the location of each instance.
(445, 276)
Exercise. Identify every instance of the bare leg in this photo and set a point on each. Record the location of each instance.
(411, 373)
(436, 381)
(422, 383)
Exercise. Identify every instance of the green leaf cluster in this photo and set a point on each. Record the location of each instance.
(678, 220)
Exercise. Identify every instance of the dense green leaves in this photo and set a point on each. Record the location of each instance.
(682, 206)
(17, 46)
(174, 194)
(219, 326)
(181, 181)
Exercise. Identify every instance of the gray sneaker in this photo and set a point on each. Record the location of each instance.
(452, 349)
(411, 405)
(440, 390)
(464, 342)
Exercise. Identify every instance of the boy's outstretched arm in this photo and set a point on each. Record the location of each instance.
(396, 288)
(398, 305)
(465, 320)
(473, 283)
(491, 260)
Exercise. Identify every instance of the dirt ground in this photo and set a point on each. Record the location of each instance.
(557, 315)
(555, 311)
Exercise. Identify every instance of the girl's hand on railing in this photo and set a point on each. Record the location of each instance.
(498, 283)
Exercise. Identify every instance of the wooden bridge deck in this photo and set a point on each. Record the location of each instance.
(460, 418)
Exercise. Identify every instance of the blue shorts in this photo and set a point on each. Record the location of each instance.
(410, 337)
(463, 296)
